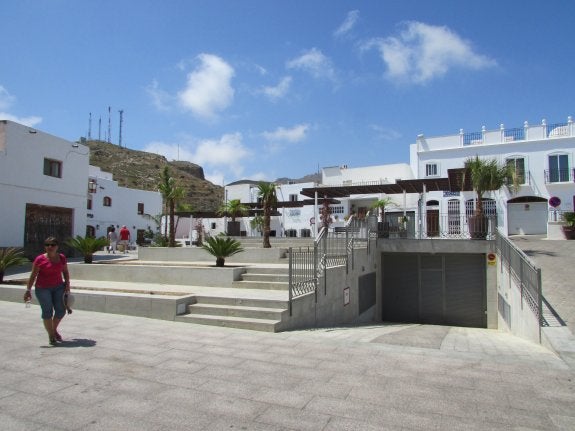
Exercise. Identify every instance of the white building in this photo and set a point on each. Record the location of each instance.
(42, 186)
(48, 188)
(541, 154)
(111, 205)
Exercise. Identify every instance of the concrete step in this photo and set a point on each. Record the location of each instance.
(270, 278)
(243, 302)
(264, 325)
(264, 313)
(267, 285)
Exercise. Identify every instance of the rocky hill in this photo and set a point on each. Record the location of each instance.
(141, 170)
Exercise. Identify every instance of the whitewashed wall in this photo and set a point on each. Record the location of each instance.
(22, 179)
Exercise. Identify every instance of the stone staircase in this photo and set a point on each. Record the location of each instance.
(242, 311)
(264, 278)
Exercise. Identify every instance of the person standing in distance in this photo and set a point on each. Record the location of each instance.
(47, 271)
(112, 240)
(125, 237)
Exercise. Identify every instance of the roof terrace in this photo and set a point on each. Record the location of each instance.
(500, 136)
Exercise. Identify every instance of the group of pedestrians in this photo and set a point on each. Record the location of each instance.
(114, 239)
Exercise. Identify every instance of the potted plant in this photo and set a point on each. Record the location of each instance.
(222, 246)
(87, 246)
(568, 227)
(403, 226)
(380, 205)
(233, 208)
(10, 257)
(485, 175)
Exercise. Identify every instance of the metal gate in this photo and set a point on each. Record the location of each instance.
(439, 289)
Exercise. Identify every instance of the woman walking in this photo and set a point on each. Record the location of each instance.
(47, 271)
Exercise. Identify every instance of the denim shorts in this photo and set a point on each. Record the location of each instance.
(51, 301)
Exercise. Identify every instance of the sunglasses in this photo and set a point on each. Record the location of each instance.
(50, 245)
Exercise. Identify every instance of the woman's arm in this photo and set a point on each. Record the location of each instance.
(66, 278)
(31, 280)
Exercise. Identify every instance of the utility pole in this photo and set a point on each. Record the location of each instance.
(90, 127)
(109, 124)
(121, 111)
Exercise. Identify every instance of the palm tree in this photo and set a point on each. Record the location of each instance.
(257, 223)
(10, 257)
(233, 208)
(381, 204)
(485, 175)
(87, 246)
(171, 193)
(267, 193)
(222, 246)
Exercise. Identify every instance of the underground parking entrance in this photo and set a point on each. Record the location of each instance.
(434, 288)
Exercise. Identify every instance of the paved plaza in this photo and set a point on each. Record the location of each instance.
(118, 372)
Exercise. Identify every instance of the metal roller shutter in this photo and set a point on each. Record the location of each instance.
(446, 289)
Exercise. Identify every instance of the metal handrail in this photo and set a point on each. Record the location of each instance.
(527, 275)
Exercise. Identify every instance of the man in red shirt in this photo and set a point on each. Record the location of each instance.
(125, 237)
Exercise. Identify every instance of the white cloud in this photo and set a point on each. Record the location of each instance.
(424, 52)
(208, 88)
(225, 154)
(315, 63)
(348, 24)
(384, 133)
(160, 98)
(6, 102)
(279, 90)
(292, 135)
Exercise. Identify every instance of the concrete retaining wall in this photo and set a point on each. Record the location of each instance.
(197, 254)
(134, 273)
(515, 315)
(162, 307)
(332, 308)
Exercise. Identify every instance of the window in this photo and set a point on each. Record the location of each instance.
(89, 204)
(53, 168)
(293, 198)
(431, 170)
(140, 208)
(107, 202)
(558, 168)
(518, 164)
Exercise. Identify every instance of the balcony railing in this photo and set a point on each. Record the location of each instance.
(499, 136)
(446, 226)
(559, 176)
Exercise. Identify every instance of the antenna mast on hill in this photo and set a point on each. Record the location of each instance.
(90, 127)
(121, 111)
(109, 125)
(100, 129)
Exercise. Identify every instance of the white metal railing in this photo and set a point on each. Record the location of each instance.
(499, 136)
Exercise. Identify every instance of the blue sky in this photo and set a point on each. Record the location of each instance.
(260, 89)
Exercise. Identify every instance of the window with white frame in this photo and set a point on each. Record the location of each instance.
(518, 166)
(293, 198)
(431, 170)
(559, 171)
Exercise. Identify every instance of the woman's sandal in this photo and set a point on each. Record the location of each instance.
(57, 336)
(53, 341)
